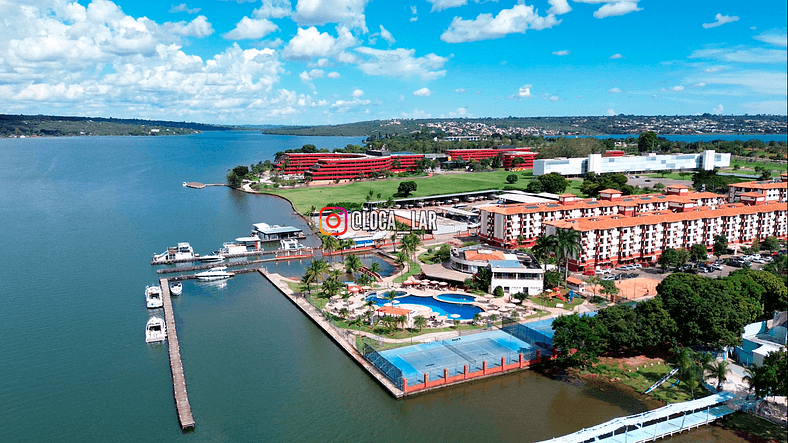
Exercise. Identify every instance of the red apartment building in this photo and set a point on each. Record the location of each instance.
(298, 163)
(508, 156)
(341, 166)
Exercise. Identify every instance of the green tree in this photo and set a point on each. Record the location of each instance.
(609, 288)
(498, 292)
(655, 325)
(419, 322)
(406, 188)
(719, 372)
(553, 183)
(543, 247)
(620, 322)
(511, 179)
(535, 187)
(352, 263)
(682, 257)
(330, 243)
(593, 281)
(375, 267)
(720, 245)
(771, 244)
(234, 180)
(667, 259)
(552, 279)
(483, 278)
(583, 334)
(698, 252)
(567, 245)
(647, 141)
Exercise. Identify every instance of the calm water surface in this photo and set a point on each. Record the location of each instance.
(80, 219)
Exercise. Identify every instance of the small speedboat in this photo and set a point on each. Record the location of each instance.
(176, 288)
(212, 258)
(153, 297)
(215, 273)
(155, 330)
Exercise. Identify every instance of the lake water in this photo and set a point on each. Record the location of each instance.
(81, 218)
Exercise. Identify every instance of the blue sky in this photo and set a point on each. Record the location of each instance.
(338, 61)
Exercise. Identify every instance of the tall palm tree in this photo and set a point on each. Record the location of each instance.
(568, 244)
(374, 267)
(308, 278)
(401, 258)
(719, 371)
(352, 263)
(410, 243)
(419, 322)
(330, 243)
(544, 245)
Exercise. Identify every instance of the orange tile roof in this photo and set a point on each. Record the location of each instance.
(610, 191)
(756, 185)
(477, 256)
(652, 218)
(574, 281)
(567, 195)
(676, 187)
(752, 194)
(391, 310)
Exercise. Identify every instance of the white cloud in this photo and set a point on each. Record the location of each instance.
(713, 69)
(699, 85)
(423, 92)
(333, 74)
(616, 8)
(773, 39)
(762, 82)
(183, 8)
(310, 43)
(616, 56)
(524, 92)
(558, 7)
(274, 9)
(251, 29)
(400, 63)
(357, 93)
(614, 91)
(414, 13)
(563, 52)
(720, 20)
(741, 55)
(460, 90)
(349, 13)
(508, 21)
(199, 27)
(417, 113)
(717, 109)
(344, 105)
(440, 5)
(386, 35)
(610, 112)
(776, 107)
(552, 98)
(678, 88)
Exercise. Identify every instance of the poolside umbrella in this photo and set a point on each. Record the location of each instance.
(443, 283)
(510, 305)
(517, 300)
(493, 311)
(387, 304)
(336, 297)
(433, 282)
(504, 309)
(455, 316)
(366, 288)
(395, 302)
(355, 289)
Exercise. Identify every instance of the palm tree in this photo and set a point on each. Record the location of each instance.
(419, 322)
(477, 318)
(330, 243)
(594, 281)
(374, 267)
(352, 263)
(719, 370)
(401, 258)
(456, 324)
(308, 278)
(394, 241)
(401, 320)
(410, 243)
(568, 244)
(343, 313)
(493, 318)
(347, 243)
(544, 245)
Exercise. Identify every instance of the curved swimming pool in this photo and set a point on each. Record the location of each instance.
(465, 311)
(456, 298)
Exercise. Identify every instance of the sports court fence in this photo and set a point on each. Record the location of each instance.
(393, 373)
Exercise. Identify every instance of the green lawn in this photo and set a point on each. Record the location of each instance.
(356, 192)
(551, 303)
(642, 379)
(753, 164)
(673, 176)
(754, 426)
(415, 269)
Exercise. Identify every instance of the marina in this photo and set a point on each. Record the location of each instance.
(185, 417)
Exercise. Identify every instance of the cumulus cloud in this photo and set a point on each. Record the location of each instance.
(720, 20)
(717, 109)
(460, 90)
(417, 113)
(699, 85)
(357, 93)
(614, 91)
(440, 5)
(773, 39)
(349, 13)
(386, 35)
(558, 7)
(333, 74)
(741, 55)
(611, 8)
(423, 92)
(616, 56)
(486, 27)
(274, 9)
(199, 27)
(251, 29)
(563, 52)
(183, 8)
(414, 14)
(400, 63)
(677, 88)
(524, 92)
(310, 43)
(610, 112)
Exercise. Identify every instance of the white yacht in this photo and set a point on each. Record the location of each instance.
(153, 297)
(183, 251)
(155, 330)
(241, 245)
(213, 258)
(176, 288)
(215, 273)
(290, 245)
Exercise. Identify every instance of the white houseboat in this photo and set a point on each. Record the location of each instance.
(183, 251)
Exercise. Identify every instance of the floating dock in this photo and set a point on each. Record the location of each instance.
(176, 366)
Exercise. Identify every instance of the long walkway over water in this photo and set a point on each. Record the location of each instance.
(658, 423)
(176, 366)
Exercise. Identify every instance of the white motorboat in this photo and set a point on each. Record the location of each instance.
(213, 258)
(215, 273)
(183, 251)
(153, 297)
(290, 245)
(155, 330)
(176, 288)
(241, 245)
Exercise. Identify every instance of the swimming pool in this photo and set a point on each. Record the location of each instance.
(456, 298)
(465, 311)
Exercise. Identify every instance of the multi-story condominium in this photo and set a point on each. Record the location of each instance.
(339, 166)
(598, 164)
(616, 239)
(520, 224)
(507, 154)
(771, 190)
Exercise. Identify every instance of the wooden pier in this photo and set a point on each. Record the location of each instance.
(176, 366)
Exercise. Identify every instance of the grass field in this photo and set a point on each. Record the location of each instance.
(643, 378)
(304, 198)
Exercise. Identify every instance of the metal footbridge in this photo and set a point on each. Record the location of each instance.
(658, 423)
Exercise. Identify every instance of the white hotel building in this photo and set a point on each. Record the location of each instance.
(707, 160)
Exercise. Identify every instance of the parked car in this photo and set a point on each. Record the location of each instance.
(602, 271)
(716, 267)
(759, 261)
(637, 266)
(609, 277)
(719, 261)
(622, 268)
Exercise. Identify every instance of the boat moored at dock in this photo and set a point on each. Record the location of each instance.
(242, 246)
(176, 288)
(290, 245)
(153, 296)
(215, 273)
(155, 330)
(182, 252)
(213, 258)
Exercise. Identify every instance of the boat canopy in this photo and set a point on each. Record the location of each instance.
(246, 239)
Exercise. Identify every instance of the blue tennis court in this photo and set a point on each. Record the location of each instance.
(454, 353)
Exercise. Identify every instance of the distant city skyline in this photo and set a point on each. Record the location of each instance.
(337, 61)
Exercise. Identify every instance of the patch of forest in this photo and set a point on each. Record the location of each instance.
(57, 126)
